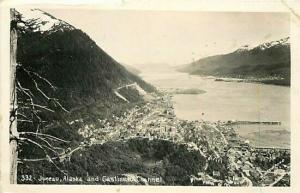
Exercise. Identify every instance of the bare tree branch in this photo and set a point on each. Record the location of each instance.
(40, 91)
(37, 75)
(23, 120)
(42, 107)
(48, 158)
(48, 143)
(22, 115)
(45, 135)
(37, 159)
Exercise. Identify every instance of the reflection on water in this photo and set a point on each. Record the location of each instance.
(230, 101)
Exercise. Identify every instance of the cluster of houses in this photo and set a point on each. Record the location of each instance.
(156, 120)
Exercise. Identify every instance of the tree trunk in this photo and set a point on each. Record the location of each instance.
(13, 104)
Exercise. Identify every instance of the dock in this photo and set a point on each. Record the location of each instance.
(254, 123)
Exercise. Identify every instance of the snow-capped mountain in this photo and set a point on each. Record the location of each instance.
(281, 42)
(41, 21)
(269, 61)
(244, 48)
(70, 59)
(266, 45)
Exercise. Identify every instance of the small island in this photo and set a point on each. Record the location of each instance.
(187, 91)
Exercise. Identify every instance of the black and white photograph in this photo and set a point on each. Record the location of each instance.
(149, 97)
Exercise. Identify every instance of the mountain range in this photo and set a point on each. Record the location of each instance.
(267, 63)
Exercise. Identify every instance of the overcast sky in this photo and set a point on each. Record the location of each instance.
(140, 37)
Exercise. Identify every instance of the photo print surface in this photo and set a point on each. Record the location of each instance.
(132, 97)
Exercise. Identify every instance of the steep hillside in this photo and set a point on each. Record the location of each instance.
(62, 78)
(268, 63)
(70, 60)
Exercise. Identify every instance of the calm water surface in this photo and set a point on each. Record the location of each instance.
(230, 101)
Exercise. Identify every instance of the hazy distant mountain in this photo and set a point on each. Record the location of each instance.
(268, 62)
(132, 69)
(153, 67)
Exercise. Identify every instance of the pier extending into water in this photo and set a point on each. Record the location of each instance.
(272, 149)
(254, 123)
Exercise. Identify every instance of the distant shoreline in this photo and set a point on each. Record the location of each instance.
(277, 82)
